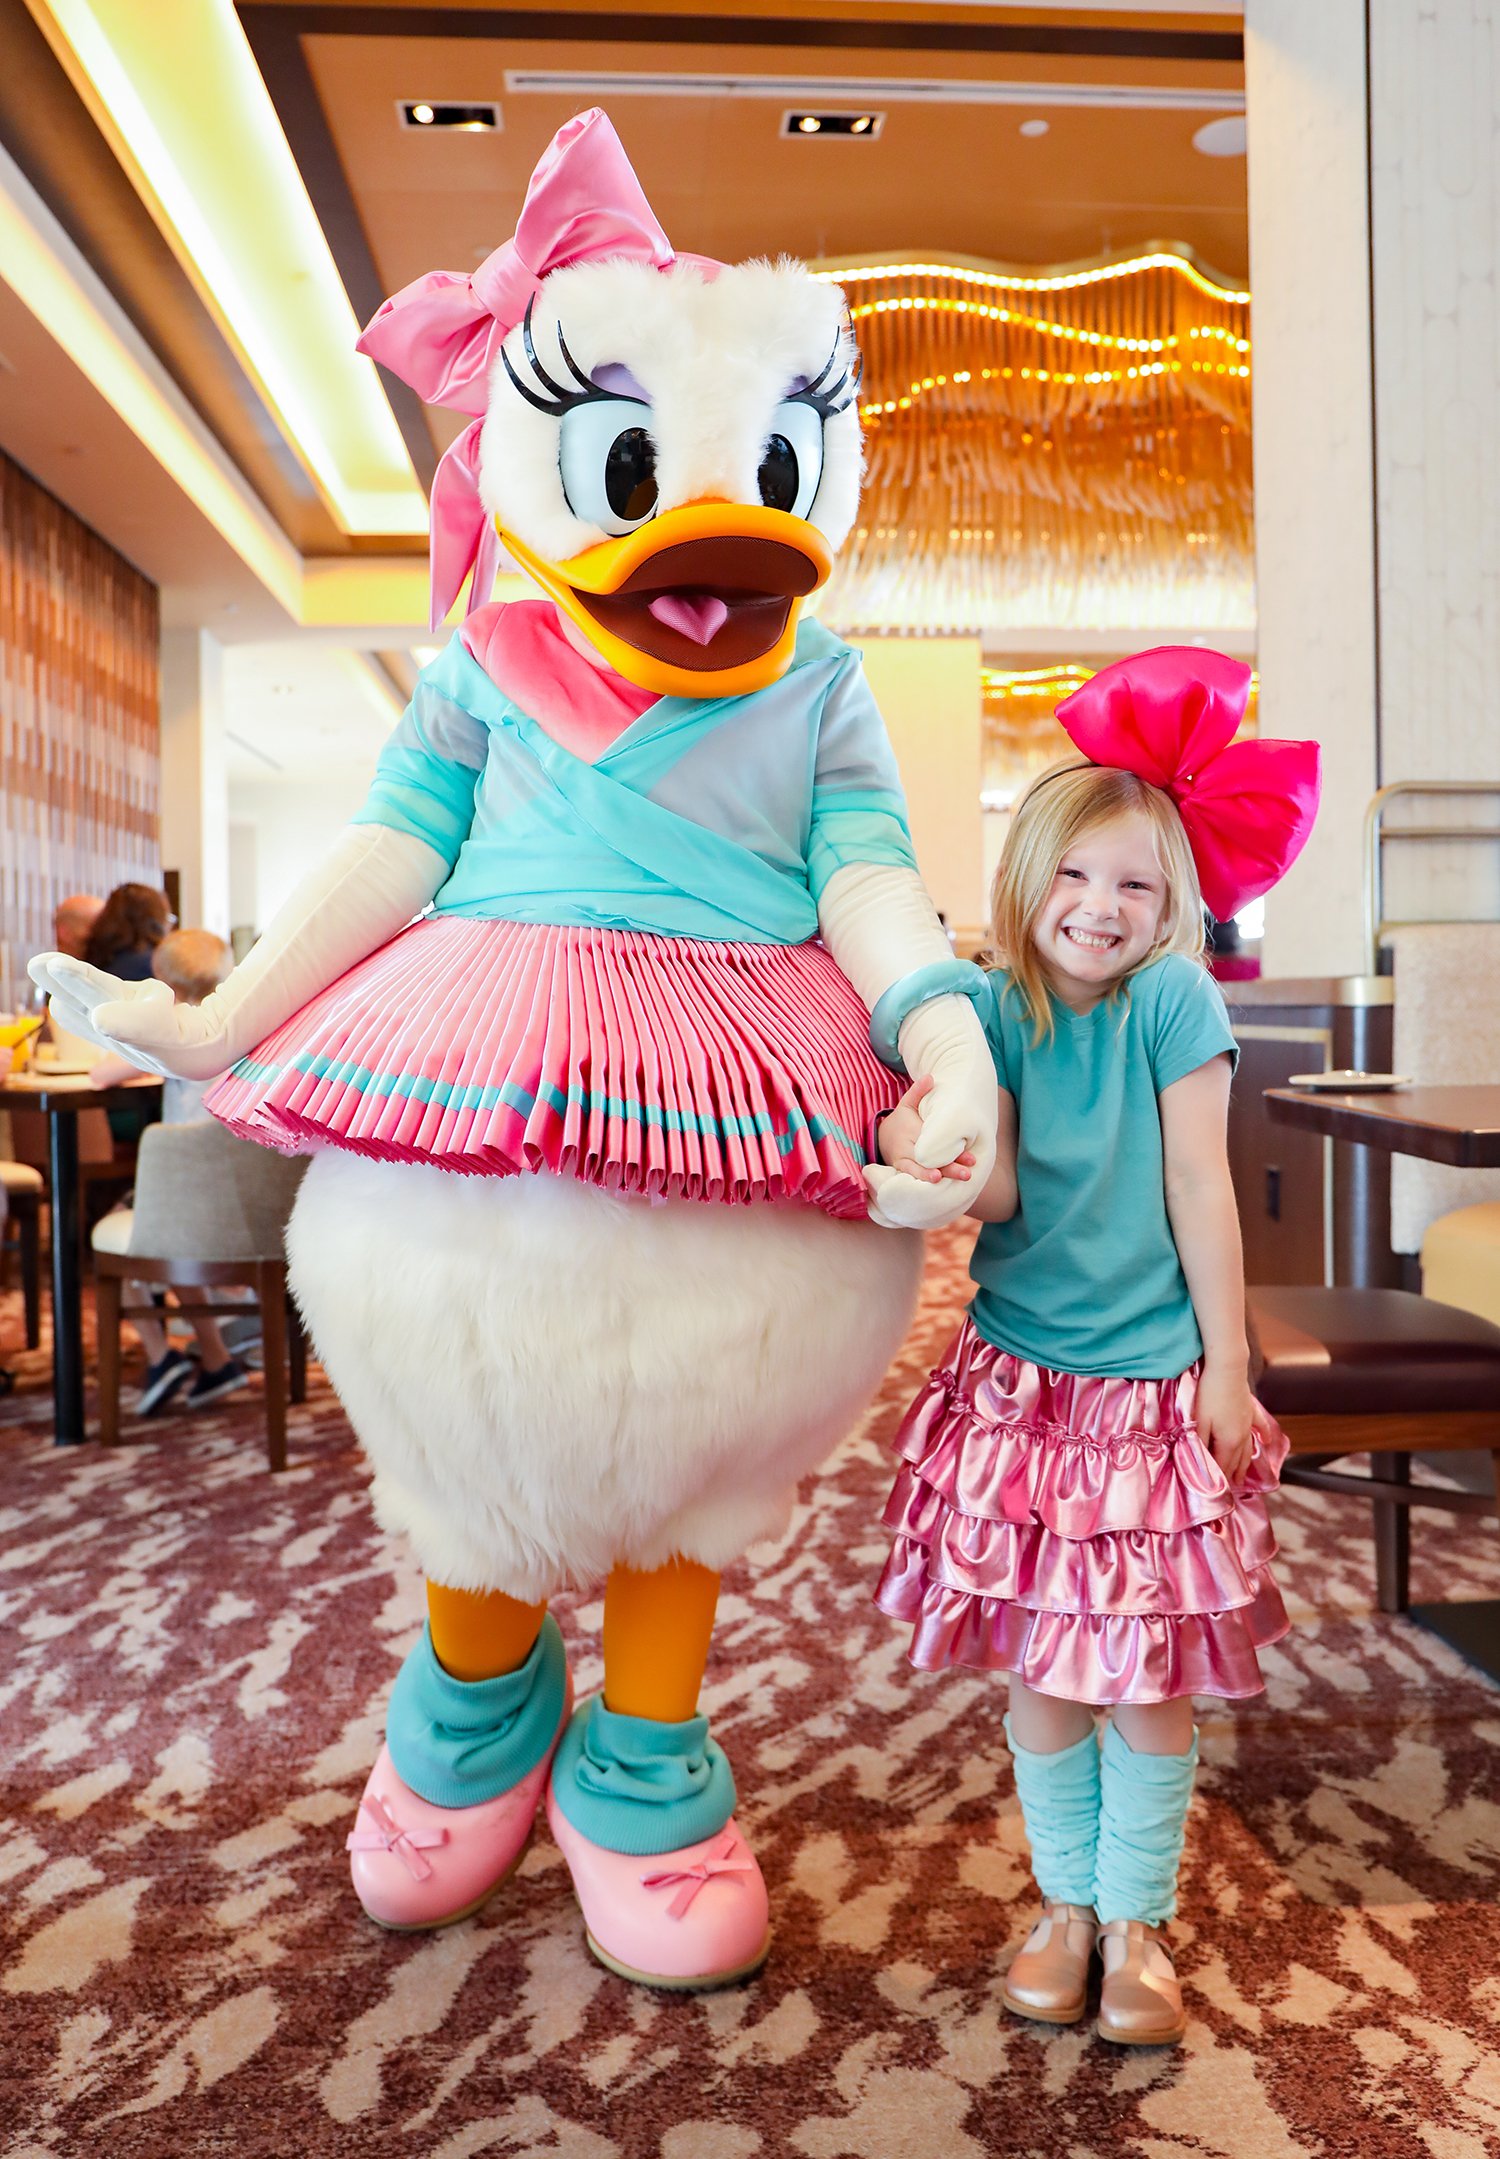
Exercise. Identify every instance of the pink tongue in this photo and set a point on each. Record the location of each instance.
(699, 618)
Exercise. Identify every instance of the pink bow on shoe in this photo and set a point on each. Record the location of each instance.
(442, 332)
(692, 1879)
(1170, 716)
(389, 1836)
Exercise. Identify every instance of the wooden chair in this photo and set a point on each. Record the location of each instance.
(210, 1212)
(105, 1168)
(24, 1192)
(1385, 1373)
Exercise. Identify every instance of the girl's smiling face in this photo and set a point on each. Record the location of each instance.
(1103, 913)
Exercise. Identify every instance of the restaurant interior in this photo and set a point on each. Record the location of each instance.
(1178, 326)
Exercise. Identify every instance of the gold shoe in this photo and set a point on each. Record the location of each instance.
(1048, 1978)
(1141, 2002)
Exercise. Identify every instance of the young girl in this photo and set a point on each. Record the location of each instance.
(1082, 1502)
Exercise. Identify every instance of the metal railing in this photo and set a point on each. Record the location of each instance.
(1379, 835)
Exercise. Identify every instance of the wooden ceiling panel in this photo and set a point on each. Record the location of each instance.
(940, 180)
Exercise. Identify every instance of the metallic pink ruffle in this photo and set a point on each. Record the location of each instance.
(1206, 1568)
(1077, 1531)
(1006, 1441)
(1098, 1657)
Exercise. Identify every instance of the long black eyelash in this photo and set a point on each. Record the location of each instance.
(825, 403)
(561, 398)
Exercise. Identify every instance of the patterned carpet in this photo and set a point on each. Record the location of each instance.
(194, 1659)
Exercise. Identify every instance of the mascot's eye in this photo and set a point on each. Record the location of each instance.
(607, 458)
(630, 475)
(778, 474)
(791, 464)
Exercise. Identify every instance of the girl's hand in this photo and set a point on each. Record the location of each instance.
(1225, 1412)
(900, 1130)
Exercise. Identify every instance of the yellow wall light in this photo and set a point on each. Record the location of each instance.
(176, 91)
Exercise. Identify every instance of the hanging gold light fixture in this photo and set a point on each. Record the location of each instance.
(1021, 737)
(1070, 449)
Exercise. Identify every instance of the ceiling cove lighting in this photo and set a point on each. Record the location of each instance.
(51, 279)
(846, 126)
(467, 119)
(868, 93)
(176, 92)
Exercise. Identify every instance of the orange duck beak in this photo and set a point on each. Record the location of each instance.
(700, 602)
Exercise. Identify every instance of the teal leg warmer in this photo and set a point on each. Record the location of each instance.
(637, 1786)
(1141, 1823)
(456, 1742)
(1059, 1795)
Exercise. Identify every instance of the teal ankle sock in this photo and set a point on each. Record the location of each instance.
(637, 1786)
(1142, 1820)
(456, 1742)
(1059, 1795)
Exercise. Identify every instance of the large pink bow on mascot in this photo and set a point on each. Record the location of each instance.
(441, 334)
(1170, 716)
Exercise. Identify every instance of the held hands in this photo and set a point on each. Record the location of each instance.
(140, 1019)
(901, 1132)
(1226, 1413)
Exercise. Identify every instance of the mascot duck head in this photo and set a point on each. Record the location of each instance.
(668, 446)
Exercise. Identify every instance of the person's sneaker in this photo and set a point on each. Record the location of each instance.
(208, 1386)
(241, 1333)
(163, 1380)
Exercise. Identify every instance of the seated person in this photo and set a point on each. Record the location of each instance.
(191, 963)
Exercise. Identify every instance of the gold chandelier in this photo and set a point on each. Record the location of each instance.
(1070, 449)
(1021, 737)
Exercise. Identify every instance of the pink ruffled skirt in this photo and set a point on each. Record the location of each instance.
(657, 1065)
(1077, 1532)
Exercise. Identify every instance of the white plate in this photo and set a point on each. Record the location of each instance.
(1349, 1082)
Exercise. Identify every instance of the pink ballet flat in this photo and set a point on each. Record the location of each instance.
(417, 1866)
(691, 1919)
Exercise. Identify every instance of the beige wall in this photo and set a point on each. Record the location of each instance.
(929, 692)
(195, 777)
(1314, 467)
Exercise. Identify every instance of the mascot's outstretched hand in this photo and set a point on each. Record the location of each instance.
(879, 924)
(367, 889)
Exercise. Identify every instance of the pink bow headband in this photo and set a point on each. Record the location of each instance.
(1170, 716)
(440, 334)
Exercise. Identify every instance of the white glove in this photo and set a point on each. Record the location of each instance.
(879, 924)
(372, 884)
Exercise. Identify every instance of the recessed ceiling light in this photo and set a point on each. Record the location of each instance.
(470, 119)
(1036, 127)
(1222, 138)
(862, 126)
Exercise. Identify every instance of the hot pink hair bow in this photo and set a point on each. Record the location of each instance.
(440, 334)
(1170, 716)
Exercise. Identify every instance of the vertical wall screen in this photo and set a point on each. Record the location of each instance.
(80, 719)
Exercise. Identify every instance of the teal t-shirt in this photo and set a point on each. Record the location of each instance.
(1085, 1276)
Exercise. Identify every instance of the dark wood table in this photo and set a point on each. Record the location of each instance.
(1460, 1125)
(59, 1100)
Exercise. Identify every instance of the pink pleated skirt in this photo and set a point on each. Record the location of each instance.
(656, 1065)
(1079, 1533)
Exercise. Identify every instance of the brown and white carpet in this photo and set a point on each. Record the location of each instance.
(194, 1659)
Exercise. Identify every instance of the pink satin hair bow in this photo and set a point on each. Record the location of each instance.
(1170, 716)
(441, 334)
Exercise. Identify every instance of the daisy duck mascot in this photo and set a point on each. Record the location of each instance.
(574, 1022)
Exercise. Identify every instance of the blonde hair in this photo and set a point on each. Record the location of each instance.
(192, 963)
(1061, 806)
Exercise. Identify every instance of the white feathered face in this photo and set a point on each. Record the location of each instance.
(674, 459)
